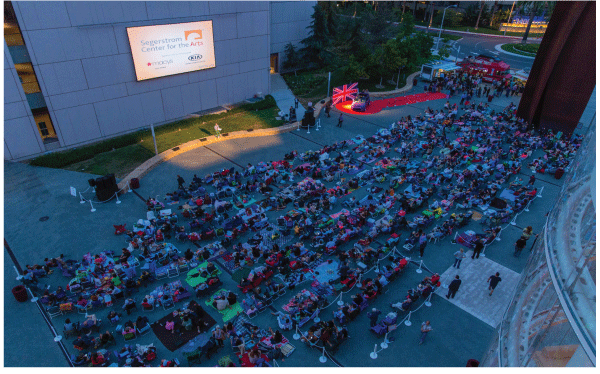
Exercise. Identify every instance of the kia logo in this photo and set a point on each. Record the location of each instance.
(194, 57)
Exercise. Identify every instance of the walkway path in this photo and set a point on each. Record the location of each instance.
(284, 96)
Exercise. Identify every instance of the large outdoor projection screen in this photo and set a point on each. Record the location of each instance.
(163, 50)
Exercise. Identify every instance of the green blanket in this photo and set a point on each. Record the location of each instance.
(194, 281)
(230, 312)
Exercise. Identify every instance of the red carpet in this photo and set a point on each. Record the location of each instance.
(377, 105)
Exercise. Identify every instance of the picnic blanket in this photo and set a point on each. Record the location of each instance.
(287, 351)
(507, 195)
(171, 287)
(193, 280)
(246, 360)
(337, 215)
(228, 313)
(173, 341)
(306, 295)
(326, 272)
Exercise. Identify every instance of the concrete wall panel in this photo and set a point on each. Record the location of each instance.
(208, 94)
(190, 97)
(114, 91)
(15, 110)
(152, 107)
(42, 14)
(252, 24)
(20, 137)
(172, 103)
(224, 27)
(78, 124)
(11, 88)
(222, 7)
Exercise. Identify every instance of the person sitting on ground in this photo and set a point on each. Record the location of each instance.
(221, 304)
(124, 256)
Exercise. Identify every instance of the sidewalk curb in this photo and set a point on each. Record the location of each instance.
(475, 33)
(498, 47)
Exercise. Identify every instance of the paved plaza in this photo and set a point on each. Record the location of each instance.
(463, 327)
(473, 294)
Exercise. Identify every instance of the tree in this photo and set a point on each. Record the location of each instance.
(391, 59)
(407, 27)
(452, 19)
(533, 8)
(479, 16)
(291, 57)
(355, 44)
(493, 12)
(318, 38)
(354, 70)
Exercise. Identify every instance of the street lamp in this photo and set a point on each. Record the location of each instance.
(437, 47)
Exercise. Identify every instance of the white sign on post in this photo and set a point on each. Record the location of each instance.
(73, 191)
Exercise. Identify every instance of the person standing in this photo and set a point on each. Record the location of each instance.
(453, 287)
(296, 103)
(527, 232)
(425, 328)
(219, 335)
(422, 243)
(519, 245)
(478, 248)
(218, 130)
(458, 257)
(180, 181)
(340, 120)
(374, 316)
(328, 109)
(531, 179)
(493, 281)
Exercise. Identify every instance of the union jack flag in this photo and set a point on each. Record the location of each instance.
(344, 93)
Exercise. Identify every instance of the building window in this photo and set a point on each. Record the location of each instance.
(12, 32)
(43, 129)
(27, 78)
(44, 124)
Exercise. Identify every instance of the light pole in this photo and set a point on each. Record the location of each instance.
(437, 46)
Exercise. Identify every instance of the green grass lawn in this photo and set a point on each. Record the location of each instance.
(451, 36)
(123, 160)
(529, 50)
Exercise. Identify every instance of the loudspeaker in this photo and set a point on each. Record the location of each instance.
(106, 187)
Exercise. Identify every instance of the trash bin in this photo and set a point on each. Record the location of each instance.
(134, 183)
(20, 293)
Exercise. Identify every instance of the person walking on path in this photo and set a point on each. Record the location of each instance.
(453, 287)
(340, 120)
(458, 257)
(532, 179)
(296, 103)
(328, 108)
(478, 248)
(374, 316)
(493, 281)
(527, 232)
(425, 328)
(422, 243)
(180, 181)
(519, 245)
(218, 130)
